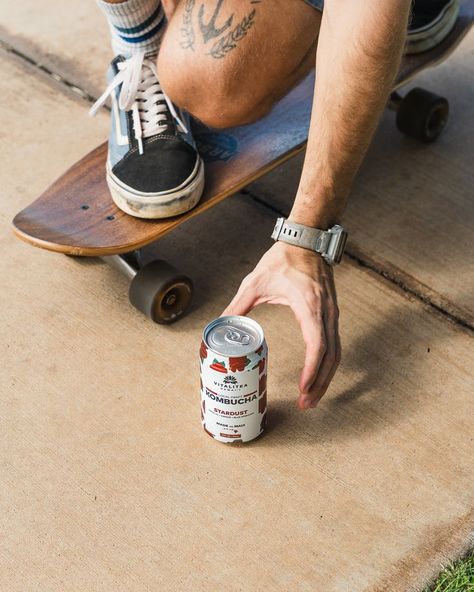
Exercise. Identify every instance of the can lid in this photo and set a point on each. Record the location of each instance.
(233, 336)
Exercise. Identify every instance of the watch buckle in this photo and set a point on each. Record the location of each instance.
(277, 229)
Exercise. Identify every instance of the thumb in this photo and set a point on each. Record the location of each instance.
(242, 303)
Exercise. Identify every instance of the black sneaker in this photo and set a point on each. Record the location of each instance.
(431, 22)
(153, 167)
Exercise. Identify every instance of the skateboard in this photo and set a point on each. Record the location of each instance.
(76, 215)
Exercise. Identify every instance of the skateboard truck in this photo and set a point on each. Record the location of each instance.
(421, 114)
(157, 289)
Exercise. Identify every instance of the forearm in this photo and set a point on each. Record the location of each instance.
(359, 50)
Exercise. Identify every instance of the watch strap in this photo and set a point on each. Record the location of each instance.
(329, 244)
(301, 235)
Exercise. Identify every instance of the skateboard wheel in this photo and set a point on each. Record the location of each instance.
(422, 115)
(161, 292)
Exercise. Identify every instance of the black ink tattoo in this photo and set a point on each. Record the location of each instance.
(209, 30)
(229, 42)
(187, 31)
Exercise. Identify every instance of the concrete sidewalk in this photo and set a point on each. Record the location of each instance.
(108, 481)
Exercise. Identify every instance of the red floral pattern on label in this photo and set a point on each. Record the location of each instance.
(218, 366)
(262, 403)
(238, 364)
(203, 351)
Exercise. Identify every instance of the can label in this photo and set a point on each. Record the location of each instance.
(233, 394)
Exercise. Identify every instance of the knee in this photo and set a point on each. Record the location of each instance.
(210, 94)
(219, 110)
(224, 112)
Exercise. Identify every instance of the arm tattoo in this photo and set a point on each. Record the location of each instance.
(187, 31)
(225, 44)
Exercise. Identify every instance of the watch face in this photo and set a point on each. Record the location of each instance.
(337, 245)
(340, 247)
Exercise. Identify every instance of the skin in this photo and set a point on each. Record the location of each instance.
(359, 47)
(242, 90)
(358, 56)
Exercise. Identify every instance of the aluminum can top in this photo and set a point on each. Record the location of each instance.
(233, 336)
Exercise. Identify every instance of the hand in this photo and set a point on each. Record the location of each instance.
(302, 280)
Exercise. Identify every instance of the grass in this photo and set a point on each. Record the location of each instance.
(456, 577)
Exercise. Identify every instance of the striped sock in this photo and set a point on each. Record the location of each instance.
(135, 25)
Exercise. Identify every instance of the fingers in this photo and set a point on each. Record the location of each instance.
(290, 277)
(330, 361)
(245, 299)
(309, 316)
(321, 361)
(330, 376)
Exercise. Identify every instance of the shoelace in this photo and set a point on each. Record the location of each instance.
(141, 94)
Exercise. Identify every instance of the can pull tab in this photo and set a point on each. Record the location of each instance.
(234, 336)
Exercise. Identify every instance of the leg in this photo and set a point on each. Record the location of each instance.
(228, 61)
(135, 25)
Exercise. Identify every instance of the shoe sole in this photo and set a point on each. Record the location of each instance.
(429, 37)
(160, 205)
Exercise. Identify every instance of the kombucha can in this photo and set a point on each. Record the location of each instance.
(234, 359)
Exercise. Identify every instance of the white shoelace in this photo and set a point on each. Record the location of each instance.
(141, 94)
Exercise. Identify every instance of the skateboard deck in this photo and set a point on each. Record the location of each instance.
(77, 216)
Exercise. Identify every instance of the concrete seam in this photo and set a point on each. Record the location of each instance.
(381, 272)
(82, 93)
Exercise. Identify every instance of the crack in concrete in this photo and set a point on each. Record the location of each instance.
(82, 93)
(403, 283)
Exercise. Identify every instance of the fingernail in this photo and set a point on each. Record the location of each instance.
(313, 404)
(306, 403)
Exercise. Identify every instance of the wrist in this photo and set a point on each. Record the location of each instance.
(294, 253)
(323, 220)
(320, 209)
